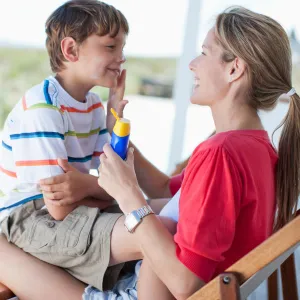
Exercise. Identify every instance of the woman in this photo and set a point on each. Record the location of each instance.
(230, 186)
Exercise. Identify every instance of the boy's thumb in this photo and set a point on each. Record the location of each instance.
(63, 163)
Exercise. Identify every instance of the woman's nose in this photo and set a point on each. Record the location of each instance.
(192, 65)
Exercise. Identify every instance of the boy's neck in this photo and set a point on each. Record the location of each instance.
(76, 89)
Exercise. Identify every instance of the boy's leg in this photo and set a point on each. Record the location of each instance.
(32, 279)
(80, 243)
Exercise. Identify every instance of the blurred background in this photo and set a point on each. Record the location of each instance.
(158, 38)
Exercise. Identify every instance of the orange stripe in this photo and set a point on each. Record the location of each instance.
(72, 109)
(24, 103)
(28, 163)
(97, 153)
(9, 173)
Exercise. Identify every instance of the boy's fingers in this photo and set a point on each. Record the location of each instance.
(121, 85)
(54, 196)
(122, 79)
(52, 180)
(52, 187)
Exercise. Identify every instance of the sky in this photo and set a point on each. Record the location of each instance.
(157, 27)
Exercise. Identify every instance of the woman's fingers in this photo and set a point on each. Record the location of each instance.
(130, 157)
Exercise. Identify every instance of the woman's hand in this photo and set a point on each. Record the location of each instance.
(118, 178)
(115, 101)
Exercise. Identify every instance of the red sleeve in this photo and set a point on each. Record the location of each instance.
(208, 209)
(175, 183)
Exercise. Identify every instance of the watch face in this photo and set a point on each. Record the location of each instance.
(131, 221)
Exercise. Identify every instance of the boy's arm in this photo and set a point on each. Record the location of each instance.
(37, 141)
(72, 187)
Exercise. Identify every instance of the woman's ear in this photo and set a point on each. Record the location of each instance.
(69, 49)
(236, 70)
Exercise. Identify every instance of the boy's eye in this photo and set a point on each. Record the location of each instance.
(202, 53)
(111, 46)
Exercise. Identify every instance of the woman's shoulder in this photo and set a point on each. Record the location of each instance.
(235, 143)
(235, 138)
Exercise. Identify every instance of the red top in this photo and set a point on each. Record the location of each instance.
(227, 201)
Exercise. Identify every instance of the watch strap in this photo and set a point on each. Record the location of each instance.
(144, 211)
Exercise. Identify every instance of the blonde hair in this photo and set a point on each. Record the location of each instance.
(79, 19)
(264, 46)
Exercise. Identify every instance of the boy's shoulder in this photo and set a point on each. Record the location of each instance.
(42, 94)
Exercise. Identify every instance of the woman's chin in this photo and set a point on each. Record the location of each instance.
(195, 99)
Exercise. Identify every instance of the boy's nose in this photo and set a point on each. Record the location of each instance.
(123, 59)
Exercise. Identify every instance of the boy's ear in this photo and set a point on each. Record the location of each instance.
(69, 49)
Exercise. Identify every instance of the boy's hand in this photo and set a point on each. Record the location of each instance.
(115, 101)
(67, 188)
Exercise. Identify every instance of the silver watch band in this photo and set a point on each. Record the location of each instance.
(144, 211)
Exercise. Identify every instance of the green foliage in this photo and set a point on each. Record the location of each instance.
(21, 68)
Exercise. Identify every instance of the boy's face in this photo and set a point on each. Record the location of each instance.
(100, 59)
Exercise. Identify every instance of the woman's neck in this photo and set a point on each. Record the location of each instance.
(235, 116)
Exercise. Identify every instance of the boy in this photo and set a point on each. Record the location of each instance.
(60, 118)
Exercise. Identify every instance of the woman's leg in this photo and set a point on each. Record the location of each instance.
(150, 286)
(32, 279)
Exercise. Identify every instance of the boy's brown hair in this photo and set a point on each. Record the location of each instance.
(79, 19)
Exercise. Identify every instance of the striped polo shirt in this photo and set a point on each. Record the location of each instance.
(47, 124)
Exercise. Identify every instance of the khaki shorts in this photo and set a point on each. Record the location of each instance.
(80, 243)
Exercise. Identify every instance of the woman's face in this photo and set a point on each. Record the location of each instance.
(210, 73)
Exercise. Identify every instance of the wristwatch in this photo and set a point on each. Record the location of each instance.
(134, 218)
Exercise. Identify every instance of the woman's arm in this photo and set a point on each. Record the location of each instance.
(153, 182)
(149, 286)
(159, 249)
(151, 237)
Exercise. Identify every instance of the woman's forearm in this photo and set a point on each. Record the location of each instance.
(158, 247)
(153, 182)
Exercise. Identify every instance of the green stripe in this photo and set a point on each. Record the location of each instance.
(1, 194)
(82, 135)
(44, 105)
